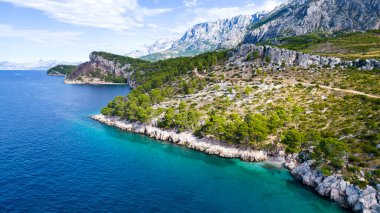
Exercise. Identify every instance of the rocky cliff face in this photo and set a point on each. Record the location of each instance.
(297, 17)
(276, 57)
(98, 64)
(224, 33)
(300, 17)
(337, 189)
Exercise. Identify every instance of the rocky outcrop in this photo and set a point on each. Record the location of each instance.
(185, 139)
(337, 189)
(98, 68)
(300, 17)
(277, 57)
(104, 66)
(368, 64)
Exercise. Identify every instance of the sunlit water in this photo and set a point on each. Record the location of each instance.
(54, 158)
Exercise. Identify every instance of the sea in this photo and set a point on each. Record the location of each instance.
(54, 158)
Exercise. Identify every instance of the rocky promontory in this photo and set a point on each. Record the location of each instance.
(337, 189)
(103, 68)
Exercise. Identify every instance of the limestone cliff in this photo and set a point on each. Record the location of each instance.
(104, 67)
(277, 57)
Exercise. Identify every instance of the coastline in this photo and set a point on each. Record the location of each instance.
(186, 139)
(334, 187)
(74, 82)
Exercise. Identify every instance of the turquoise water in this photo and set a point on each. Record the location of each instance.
(54, 158)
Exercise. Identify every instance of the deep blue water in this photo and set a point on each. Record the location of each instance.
(54, 158)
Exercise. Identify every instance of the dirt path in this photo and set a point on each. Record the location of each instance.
(333, 88)
(289, 82)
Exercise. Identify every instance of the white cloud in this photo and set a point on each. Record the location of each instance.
(111, 14)
(190, 3)
(39, 36)
(212, 14)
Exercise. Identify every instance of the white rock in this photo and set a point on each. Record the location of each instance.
(185, 139)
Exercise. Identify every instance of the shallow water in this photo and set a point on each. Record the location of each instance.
(54, 158)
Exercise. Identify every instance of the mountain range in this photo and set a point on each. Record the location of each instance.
(296, 17)
(160, 45)
(38, 65)
(224, 33)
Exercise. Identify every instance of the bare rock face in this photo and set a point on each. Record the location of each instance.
(368, 64)
(338, 190)
(300, 17)
(209, 36)
(307, 175)
(274, 56)
(112, 67)
(333, 187)
(352, 194)
(106, 67)
(367, 200)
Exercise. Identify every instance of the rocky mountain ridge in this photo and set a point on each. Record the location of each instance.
(300, 17)
(221, 34)
(160, 45)
(296, 17)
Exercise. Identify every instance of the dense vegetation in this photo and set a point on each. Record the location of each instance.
(61, 70)
(344, 45)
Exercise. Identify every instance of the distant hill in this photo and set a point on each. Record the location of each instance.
(61, 70)
(38, 65)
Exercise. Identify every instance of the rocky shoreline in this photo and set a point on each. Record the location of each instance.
(185, 139)
(337, 189)
(334, 187)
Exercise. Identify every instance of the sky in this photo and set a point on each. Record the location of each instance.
(68, 30)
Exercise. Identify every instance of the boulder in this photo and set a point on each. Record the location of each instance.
(352, 194)
(367, 200)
